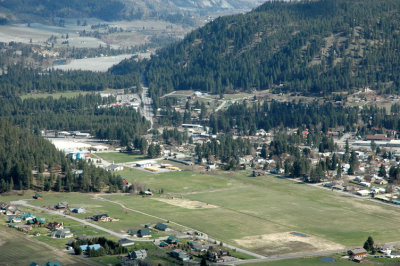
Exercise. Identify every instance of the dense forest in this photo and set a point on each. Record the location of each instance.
(311, 47)
(80, 113)
(28, 161)
(246, 119)
(22, 80)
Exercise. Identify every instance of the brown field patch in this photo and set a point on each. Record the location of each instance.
(285, 243)
(185, 203)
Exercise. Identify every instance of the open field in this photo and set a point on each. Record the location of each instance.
(258, 214)
(181, 182)
(57, 95)
(119, 157)
(316, 261)
(20, 249)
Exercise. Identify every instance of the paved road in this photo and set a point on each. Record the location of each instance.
(147, 109)
(220, 106)
(344, 193)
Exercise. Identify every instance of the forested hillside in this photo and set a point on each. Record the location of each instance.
(312, 47)
(22, 152)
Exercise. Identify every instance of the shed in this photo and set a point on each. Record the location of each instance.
(125, 242)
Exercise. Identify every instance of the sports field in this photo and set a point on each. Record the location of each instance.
(119, 157)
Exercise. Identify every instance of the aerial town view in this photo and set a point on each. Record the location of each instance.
(212, 132)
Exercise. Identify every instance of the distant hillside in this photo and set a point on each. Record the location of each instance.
(38, 10)
(313, 47)
(111, 10)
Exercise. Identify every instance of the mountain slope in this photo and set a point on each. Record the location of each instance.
(310, 47)
(111, 10)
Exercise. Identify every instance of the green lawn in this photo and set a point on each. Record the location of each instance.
(17, 248)
(180, 182)
(318, 262)
(119, 157)
(56, 95)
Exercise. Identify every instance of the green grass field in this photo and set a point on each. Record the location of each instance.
(257, 214)
(180, 182)
(17, 248)
(119, 157)
(316, 261)
(56, 95)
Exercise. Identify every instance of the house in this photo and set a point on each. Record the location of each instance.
(145, 232)
(258, 173)
(161, 226)
(365, 184)
(380, 181)
(133, 232)
(100, 217)
(37, 221)
(163, 244)
(87, 247)
(199, 247)
(14, 220)
(38, 196)
(26, 216)
(125, 242)
(114, 168)
(138, 254)
(55, 226)
(172, 240)
(62, 233)
(357, 254)
(363, 193)
(62, 205)
(180, 255)
(78, 210)
(52, 263)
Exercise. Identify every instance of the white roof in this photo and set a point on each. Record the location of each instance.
(62, 144)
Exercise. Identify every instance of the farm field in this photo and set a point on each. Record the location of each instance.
(258, 214)
(20, 249)
(119, 157)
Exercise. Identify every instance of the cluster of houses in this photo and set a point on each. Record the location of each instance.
(360, 254)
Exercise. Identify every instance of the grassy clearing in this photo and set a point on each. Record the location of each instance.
(119, 157)
(20, 249)
(107, 260)
(56, 95)
(179, 182)
(249, 211)
(317, 262)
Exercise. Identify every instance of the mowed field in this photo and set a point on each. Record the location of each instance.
(119, 157)
(258, 214)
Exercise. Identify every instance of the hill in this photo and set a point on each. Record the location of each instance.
(312, 47)
(28, 161)
(112, 10)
